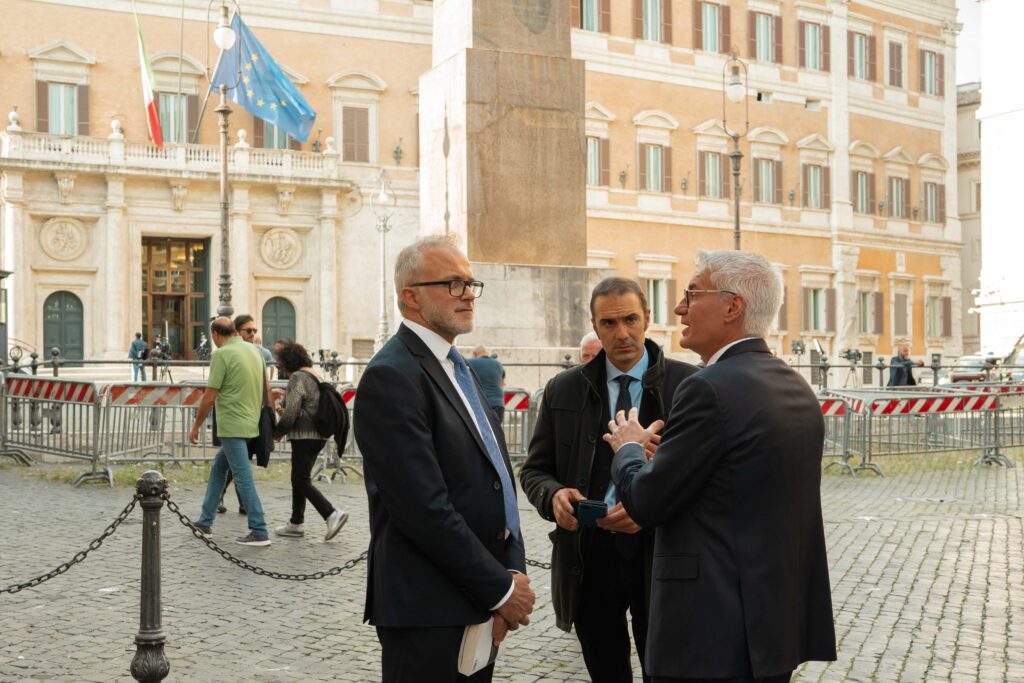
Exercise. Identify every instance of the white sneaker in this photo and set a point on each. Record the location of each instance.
(292, 530)
(334, 523)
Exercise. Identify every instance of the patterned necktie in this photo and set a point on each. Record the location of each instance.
(624, 402)
(468, 386)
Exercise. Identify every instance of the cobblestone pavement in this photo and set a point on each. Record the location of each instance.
(927, 577)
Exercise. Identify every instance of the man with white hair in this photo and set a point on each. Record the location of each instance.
(590, 346)
(741, 588)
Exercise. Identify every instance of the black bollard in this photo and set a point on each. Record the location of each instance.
(149, 664)
(880, 366)
(55, 354)
(35, 362)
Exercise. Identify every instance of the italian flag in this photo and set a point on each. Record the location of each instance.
(152, 115)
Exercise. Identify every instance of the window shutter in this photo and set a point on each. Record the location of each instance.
(666, 169)
(191, 116)
(899, 314)
(783, 312)
(670, 286)
(82, 96)
(724, 169)
(605, 21)
(801, 42)
(575, 14)
(893, 64)
(872, 208)
(826, 48)
(906, 198)
(830, 310)
(641, 177)
(752, 35)
(898, 60)
(777, 173)
(42, 107)
(757, 179)
(853, 189)
(362, 134)
(920, 63)
(940, 73)
(638, 19)
(645, 288)
(725, 24)
(698, 26)
(879, 312)
(778, 40)
(888, 196)
(702, 184)
(666, 21)
(872, 59)
(940, 193)
(826, 187)
(294, 144)
(805, 308)
(849, 54)
(605, 160)
(257, 131)
(947, 316)
(803, 185)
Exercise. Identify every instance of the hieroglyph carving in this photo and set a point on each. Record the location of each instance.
(281, 248)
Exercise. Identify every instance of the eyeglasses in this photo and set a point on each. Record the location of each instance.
(249, 330)
(456, 287)
(688, 294)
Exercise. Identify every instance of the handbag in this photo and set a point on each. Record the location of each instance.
(262, 445)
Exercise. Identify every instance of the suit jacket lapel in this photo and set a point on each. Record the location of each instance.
(436, 373)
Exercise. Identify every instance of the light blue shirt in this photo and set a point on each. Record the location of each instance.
(636, 392)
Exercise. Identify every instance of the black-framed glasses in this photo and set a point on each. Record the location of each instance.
(688, 294)
(456, 287)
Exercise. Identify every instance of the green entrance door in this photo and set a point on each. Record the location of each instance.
(278, 320)
(62, 326)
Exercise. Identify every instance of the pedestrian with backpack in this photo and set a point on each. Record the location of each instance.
(138, 351)
(308, 416)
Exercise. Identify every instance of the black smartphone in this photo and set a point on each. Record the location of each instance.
(589, 511)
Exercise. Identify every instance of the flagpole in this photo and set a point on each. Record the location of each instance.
(206, 100)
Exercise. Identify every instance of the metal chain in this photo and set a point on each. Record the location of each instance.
(80, 555)
(538, 565)
(333, 571)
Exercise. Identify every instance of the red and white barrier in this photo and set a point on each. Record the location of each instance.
(45, 389)
(932, 405)
(517, 400)
(832, 406)
(143, 395)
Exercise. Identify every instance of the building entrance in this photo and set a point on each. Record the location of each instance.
(175, 299)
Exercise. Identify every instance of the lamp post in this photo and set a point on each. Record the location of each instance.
(735, 90)
(383, 206)
(224, 37)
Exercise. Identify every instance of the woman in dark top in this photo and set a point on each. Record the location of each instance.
(296, 421)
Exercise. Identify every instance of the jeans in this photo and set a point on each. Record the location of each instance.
(233, 454)
(304, 454)
(137, 369)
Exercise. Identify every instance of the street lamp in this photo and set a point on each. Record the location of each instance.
(383, 202)
(224, 38)
(734, 89)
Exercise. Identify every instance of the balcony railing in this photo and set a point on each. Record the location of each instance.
(176, 158)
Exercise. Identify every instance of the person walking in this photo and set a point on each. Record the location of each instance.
(299, 405)
(236, 385)
(138, 351)
(900, 367)
(492, 378)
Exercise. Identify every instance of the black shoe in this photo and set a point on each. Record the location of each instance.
(206, 531)
(253, 539)
(222, 508)
(241, 510)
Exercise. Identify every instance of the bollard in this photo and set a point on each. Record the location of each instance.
(567, 362)
(881, 372)
(823, 366)
(55, 355)
(35, 362)
(149, 664)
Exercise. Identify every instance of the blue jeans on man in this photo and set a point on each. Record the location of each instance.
(233, 454)
(138, 369)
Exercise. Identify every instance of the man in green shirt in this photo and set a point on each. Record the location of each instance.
(236, 386)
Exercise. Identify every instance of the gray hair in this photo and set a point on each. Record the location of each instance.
(750, 276)
(589, 337)
(409, 260)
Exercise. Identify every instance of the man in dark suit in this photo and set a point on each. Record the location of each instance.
(741, 588)
(597, 574)
(446, 549)
(900, 366)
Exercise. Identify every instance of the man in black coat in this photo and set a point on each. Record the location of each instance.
(741, 588)
(446, 549)
(597, 574)
(900, 366)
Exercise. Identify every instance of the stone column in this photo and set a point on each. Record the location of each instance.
(839, 120)
(242, 297)
(117, 263)
(14, 227)
(844, 260)
(502, 141)
(324, 240)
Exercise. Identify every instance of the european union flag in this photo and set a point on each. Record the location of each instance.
(262, 88)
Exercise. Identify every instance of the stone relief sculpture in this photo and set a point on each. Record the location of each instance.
(63, 238)
(281, 248)
(533, 14)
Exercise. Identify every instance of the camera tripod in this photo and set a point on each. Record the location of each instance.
(852, 375)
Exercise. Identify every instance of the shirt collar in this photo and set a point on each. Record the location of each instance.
(718, 354)
(435, 342)
(636, 372)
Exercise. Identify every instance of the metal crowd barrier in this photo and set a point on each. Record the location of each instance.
(52, 416)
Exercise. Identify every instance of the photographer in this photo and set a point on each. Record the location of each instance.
(900, 366)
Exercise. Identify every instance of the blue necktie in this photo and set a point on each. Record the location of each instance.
(624, 402)
(468, 386)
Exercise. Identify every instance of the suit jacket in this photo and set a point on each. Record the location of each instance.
(900, 374)
(741, 585)
(438, 554)
(572, 418)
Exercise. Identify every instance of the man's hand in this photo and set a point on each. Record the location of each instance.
(561, 506)
(618, 520)
(651, 446)
(193, 434)
(499, 630)
(519, 605)
(626, 429)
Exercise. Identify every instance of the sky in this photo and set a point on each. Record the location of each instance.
(968, 53)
